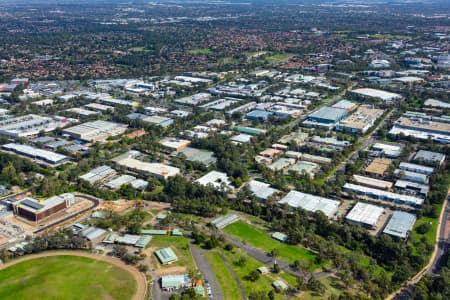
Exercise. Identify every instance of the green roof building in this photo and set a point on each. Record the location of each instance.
(166, 256)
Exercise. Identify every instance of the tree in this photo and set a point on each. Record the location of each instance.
(241, 261)
(253, 276)
(276, 268)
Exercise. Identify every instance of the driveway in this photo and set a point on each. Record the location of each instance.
(204, 267)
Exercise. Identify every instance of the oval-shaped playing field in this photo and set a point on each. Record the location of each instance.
(66, 277)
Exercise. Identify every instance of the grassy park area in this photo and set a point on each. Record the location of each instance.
(264, 283)
(258, 238)
(180, 245)
(204, 51)
(227, 283)
(65, 277)
(278, 57)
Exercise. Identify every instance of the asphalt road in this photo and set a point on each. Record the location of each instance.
(204, 267)
(443, 244)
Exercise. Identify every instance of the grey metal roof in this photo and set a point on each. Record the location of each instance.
(429, 156)
(400, 224)
(328, 113)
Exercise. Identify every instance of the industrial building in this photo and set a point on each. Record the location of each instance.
(258, 115)
(378, 166)
(304, 166)
(216, 179)
(326, 117)
(220, 104)
(345, 104)
(416, 168)
(222, 222)
(391, 151)
(412, 187)
(242, 109)
(95, 131)
(98, 174)
(194, 100)
(35, 210)
(241, 138)
(82, 112)
(261, 190)
(196, 155)
(159, 121)
(249, 130)
(169, 283)
(400, 224)
(282, 163)
(287, 110)
(365, 214)
(434, 158)
(117, 182)
(174, 144)
(329, 141)
(311, 203)
(45, 156)
(361, 120)
(29, 125)
(99, 107)
(422, 129)
(377, 94)
(383, 195)
(411, 176)
(372, 182)
(166, 256)
(316, 158)
(158, 170)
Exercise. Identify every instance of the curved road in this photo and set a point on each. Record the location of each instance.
(141, 281)
(437, 259)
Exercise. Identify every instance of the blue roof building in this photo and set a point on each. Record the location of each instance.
(258, 115)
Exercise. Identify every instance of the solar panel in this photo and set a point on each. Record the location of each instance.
(32, 204)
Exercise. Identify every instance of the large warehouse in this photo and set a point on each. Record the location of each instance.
(158, 170)
(48, 157)
(365, 214)
(377, 94)
(326, 117)
(361, 120)
(311, 203)
(29, 125)
(383, 195)
(400, 224)
(95, 131)
(35, 210)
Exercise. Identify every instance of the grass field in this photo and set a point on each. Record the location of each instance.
(261, 239)
(229, 287)
(65, 277)
(430, 235)
(140, 50)
(205, 51)
(278, 57)
(180, 245)
(264, 283)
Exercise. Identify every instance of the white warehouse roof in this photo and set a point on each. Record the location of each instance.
(310, 202)
(366, 214)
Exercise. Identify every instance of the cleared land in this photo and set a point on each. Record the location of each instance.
(227, 283)
(66, 277)
(261, 239)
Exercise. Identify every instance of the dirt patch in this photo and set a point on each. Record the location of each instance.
(171, 271)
